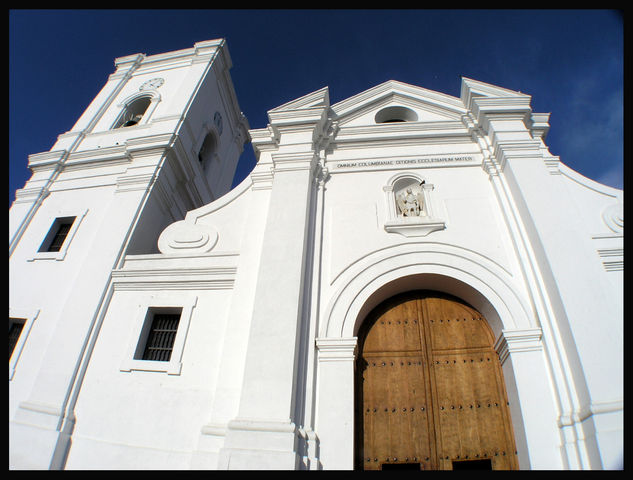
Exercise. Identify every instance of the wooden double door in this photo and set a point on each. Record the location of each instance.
(429, 388)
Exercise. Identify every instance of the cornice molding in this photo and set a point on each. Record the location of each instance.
(177, 278)
(46, 160)
(283, 162)
(319, 99)
(393, 87)
(539, 125)
(472, 89)
(200, 52)
(336, 349)
(484, 109)
(505, 150)
(518, 341)
(401, 131)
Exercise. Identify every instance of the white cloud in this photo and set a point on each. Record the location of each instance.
(613, 177)
(593, 134)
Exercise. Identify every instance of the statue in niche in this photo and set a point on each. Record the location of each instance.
(410, 203)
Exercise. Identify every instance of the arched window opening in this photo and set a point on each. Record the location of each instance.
(396, 114)
(207, 150)
(133, 112)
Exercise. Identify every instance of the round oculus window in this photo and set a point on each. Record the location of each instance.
(396, 114)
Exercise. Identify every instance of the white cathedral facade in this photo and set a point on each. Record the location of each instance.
(405, 280)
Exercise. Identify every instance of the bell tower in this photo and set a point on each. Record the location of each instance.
(162, 137)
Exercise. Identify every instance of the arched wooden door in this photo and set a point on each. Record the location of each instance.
(429, 388)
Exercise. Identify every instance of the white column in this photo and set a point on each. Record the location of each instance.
(533, 406)
(335, 402)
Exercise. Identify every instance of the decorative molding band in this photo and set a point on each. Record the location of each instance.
(41, 415)
(29, 195)
(298, 119)
(176, 284)
(284, 162)
(262, 179)
(46, 160)
(336, 349)
(586, 411)
(614, 266)
(401, 141)
(518, 341)
(419, 128)
(539, 125)
(607, 407)
(117, 153)
(213, 278)
(414, 227)
(41, 408)
(174, 271)
(515, 149)
(216, 430)
(130, 183)
(490, 108)
(256, 425)
(264, 139)
(614, 259)
(552, 164)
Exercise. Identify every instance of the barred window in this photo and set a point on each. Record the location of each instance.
(159, 333)
(161, 336)
(57, 234)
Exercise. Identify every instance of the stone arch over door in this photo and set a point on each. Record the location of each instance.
(424, 265)
(375, 277)
(429, 388)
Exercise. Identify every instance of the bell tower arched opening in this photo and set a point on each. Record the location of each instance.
(429, 389)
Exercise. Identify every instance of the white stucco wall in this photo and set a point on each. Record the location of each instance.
(275, 277)
(104, 177)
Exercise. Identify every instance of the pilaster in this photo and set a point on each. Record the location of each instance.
(335, 401)
(523, 361)
(264, 434)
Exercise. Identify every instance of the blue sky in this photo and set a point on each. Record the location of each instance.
(569, 61)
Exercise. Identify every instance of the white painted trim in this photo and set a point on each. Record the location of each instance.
(154, 100)
(518, 340)
(79, 216)
(162, 300)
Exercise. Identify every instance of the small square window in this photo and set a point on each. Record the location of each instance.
(57, 234)
(61, 233)
(158, 334)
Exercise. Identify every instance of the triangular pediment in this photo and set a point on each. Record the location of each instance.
(427, 105)
(475, 88)
(318, 98)
(366, 108)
